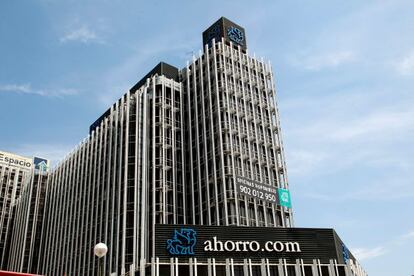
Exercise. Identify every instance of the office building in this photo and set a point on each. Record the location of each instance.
(124, 178)
(185, 175)
(233, 132)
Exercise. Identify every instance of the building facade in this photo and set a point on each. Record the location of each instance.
(183, 175)
(127, 176)
(233, 133)
(23, 181)
(15, 172)
(28, 221)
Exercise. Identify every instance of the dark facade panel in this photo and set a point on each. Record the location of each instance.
(239, 243)
(95, 124)
(224, 28)
(161, 69)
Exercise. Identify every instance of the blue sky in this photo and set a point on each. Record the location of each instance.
(344, 75)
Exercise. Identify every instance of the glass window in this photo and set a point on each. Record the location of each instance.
(274, 271)
(308, 270)
(325, 271)
(291, 270)
(341, 271)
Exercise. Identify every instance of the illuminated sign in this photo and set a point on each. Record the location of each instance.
(235, 34)
(182, 242)
(284, 198)
(41, 164)
(224, 28)
(250, 246)
(241, 242)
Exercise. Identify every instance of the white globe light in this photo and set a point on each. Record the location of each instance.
(100, 250)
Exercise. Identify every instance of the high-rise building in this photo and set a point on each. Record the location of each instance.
(183, 175)
(127, 176)
(233, 133)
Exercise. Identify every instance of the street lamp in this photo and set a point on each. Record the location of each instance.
(100, 251)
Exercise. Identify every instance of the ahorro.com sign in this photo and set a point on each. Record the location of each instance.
(240, 242)
(184, 240)
(250, 246)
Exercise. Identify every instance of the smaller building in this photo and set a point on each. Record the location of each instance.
(23, 185)
(15, 171)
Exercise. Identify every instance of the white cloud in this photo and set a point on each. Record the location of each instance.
(325, 60)
(331, 144)
(368, 253)
(364, 253)
(358, 37)
(333, 132)
(82, 34)
(27, 89)
(376, 123)
(409, 235)
(406, 65)
(330, 140)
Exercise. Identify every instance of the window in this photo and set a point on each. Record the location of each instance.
(308, 270)
(325, 271)
(291, 270)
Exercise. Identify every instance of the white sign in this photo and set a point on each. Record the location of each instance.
(256, 189)
(16, 161)
(252, 246)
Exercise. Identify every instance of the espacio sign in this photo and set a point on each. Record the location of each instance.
(13, 160)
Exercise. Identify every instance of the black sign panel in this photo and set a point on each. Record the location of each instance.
(224, 28)
(256, 189)
(239, 242)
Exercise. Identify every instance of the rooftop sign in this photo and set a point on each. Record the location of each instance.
(15, 161)
(230, 31)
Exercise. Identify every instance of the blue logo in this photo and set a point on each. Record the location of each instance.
(235, 34)
(41, 164)
(182, 242)
(345, 253)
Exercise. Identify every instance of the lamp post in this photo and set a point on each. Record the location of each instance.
(100, 251)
